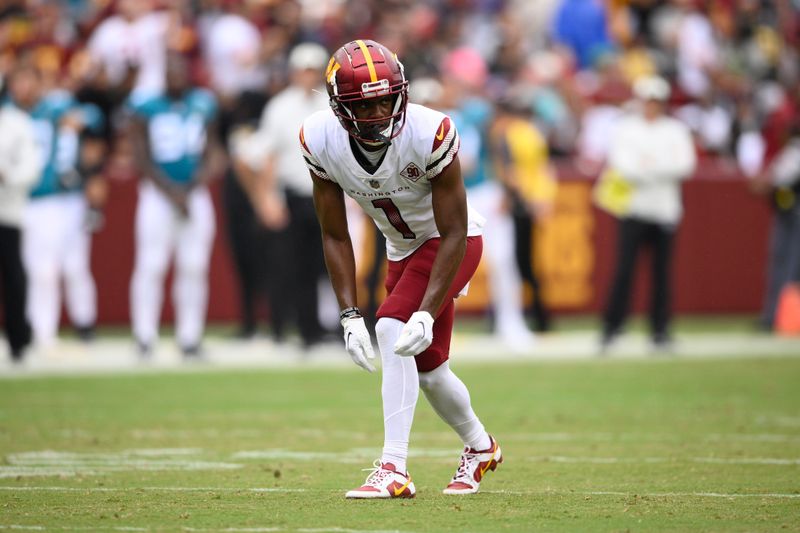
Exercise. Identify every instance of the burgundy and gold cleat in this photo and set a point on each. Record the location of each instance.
(384, 481)
(473, 466)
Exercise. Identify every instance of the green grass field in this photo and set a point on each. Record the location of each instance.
(663, 444)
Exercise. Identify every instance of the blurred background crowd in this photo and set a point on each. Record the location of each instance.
(567, 68)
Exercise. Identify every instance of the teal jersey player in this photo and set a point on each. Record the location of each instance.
(59, 121)
(176, 130)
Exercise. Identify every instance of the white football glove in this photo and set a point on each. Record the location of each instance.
(416, 336)
(357, 342)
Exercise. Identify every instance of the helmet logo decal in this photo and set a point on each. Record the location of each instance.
(330, 72)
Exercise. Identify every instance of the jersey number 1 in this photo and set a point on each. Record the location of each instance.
(394, 216)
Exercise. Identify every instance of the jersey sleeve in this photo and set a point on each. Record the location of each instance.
(206, 103)
(312, 162)
(140, 106)
(445, 148)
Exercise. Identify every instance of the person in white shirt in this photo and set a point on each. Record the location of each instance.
(231, 49)
(283, 198)
(20, 161)
(133, 42)
(653, 153)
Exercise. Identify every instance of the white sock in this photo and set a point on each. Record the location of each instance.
(400, 390)
(449, 397)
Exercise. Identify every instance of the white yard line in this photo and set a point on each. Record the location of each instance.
(48, 463)
(52, 462)
(334, 529)
(775, 495)
(278, 490)
(27, 488)
(360, 454)
(261, 434)
(652, 460)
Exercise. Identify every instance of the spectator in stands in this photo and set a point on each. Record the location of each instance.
(698, 55)
(131, 47)
(231, 47)
(711, 122)
(652, 153)
(582, 26)
(20, 160)
(548, 76)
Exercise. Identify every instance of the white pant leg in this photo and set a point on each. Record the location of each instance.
(79, 286)
(190, 286)
(450, 399)
(504, 279)
(400, 391)
(154, 236)
(41, 238)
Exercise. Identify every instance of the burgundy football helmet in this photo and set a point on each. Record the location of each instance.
(361, 70)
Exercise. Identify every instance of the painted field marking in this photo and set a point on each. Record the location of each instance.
(211, 433)
(652, 460)
(776, 495)
(333, 529)
(60, 463)
(359, 454)
(709, 494)
(49, 463)
(27, 488)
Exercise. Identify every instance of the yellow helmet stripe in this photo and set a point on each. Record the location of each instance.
(373, 76)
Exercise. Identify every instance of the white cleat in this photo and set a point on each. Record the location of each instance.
(384, 482)
(474, 464)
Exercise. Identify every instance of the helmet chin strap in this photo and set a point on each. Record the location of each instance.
(379, 137)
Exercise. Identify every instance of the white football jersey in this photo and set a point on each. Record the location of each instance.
(398, 194)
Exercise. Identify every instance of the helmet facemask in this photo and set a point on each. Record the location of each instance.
(345, 94)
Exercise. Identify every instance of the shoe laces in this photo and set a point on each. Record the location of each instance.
(376, 474)
(463, 472)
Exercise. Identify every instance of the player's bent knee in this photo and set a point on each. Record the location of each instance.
(430, 380)
(427, 381)
(386, 329)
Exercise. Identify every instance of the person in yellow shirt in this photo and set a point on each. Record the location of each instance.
(520, 157)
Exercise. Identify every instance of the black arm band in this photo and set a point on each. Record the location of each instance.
(349, 312)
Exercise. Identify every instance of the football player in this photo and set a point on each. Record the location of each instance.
(399, 162)
(173, 141)
(58, 220)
